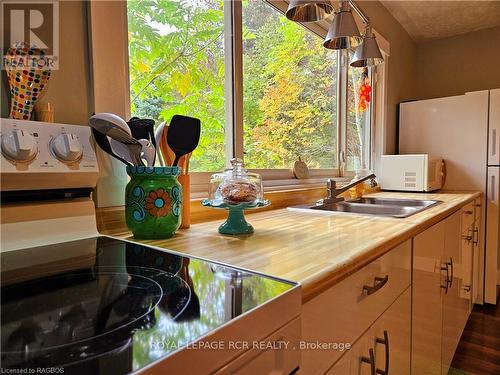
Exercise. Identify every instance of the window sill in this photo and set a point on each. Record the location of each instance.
(200, 190)
(111, 220)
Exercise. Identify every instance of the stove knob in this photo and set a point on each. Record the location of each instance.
(67, 148)
(19, 145)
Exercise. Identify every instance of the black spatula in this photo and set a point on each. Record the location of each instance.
(183, 135)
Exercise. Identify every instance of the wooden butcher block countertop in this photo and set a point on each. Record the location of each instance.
(317, 249)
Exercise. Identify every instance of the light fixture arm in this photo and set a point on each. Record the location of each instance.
(359, 12)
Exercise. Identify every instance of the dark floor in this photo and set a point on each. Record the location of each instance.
(479, 349)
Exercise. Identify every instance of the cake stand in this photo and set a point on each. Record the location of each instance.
(235, 222)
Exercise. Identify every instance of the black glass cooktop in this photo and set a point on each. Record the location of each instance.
(103, 305)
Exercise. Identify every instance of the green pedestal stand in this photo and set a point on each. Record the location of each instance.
(235, 223)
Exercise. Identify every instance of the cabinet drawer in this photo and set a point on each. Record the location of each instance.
(276, 356)
(386, 344)
(467, 216)
(341, 314)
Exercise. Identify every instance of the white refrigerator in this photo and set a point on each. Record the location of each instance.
(465, 131)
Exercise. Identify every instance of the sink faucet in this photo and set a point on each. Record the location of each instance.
(333, 191)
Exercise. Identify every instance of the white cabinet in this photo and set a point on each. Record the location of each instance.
(429, 283)
(385, 347)
(276, 356)
(477, 243)
(342, 313)
(457, 295)
(494, 128)
(442, 291)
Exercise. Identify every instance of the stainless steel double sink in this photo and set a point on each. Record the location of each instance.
(388, 207)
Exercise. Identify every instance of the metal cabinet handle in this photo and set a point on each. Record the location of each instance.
(447, 280)
(378, 283)
(450, 263)
(466, 288)
(385, 342)
(475, 236)
(468, 212)
(371, 361)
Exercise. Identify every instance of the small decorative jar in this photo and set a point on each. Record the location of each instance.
(153, 202)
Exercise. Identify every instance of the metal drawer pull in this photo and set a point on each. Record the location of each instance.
(377, 284)
(468, 212)
(466, 288)
(371, 361)
(385, 342)
(447, 280)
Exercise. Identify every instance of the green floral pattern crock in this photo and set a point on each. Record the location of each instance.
(153, 202)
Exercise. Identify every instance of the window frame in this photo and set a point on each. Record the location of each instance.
(234, 97)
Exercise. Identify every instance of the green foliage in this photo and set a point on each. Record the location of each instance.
(176, 53)
(289, 92)
(289, 80)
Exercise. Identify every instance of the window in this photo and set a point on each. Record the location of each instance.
(176, 63)
(289, 92)
(264, 87)
(359, 95)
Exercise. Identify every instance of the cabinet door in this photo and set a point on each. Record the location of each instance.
(476, 254)
(343, 365)
(428, 284)
(390, 336)
(494, 128)
(456, 300)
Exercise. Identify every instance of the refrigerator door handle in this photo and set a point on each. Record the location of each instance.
(493, 144)
(493, 192)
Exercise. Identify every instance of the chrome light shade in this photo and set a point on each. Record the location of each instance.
(343, 32)
(368, 53)
(308, 11)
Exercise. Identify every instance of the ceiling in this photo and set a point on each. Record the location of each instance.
(430, 20)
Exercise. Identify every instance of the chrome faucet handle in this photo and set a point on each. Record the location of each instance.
(331, 184)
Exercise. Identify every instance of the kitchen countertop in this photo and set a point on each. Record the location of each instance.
(317, 249)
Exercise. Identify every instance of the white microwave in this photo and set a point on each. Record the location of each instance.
(420, 172)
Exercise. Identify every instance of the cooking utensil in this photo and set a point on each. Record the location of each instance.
(117, 147)
(143, 129)
(26, 85)
(168, 154)
(184, 163)
(103, 142)
(158, 137)
(183, 135)
(112, 126)
(148, 152)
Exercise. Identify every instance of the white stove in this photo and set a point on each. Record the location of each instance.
(78, 302)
